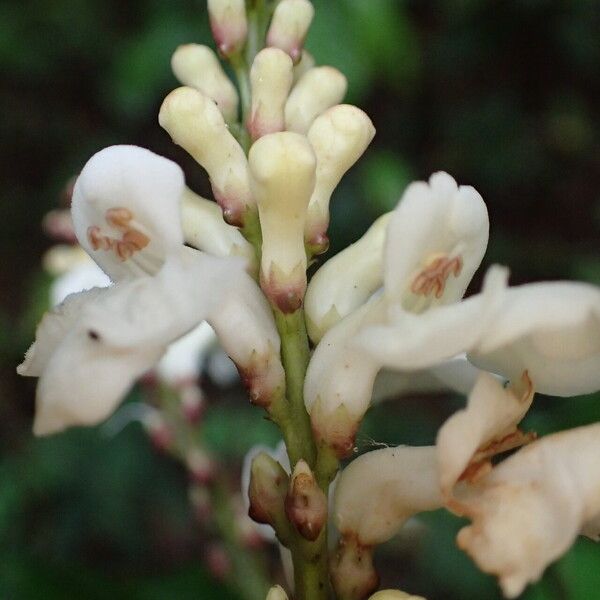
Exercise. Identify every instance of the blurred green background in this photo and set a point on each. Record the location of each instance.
(505, 95)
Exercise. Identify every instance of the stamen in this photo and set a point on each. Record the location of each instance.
(432, 279)
(131, 241)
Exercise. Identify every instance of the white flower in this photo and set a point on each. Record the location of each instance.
(197, 66)
(92, 347)
(528, 511)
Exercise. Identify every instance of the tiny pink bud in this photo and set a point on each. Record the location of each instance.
(289, 26)
(200, 466)
(218, 561)
(200, 501)
(158, 430)
(192, 403)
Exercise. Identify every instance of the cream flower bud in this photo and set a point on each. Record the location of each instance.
(271, 78)
(283, 179)
(196, 124)
(346, 281)
(339, 137)
(316, 91)
(353, 575)
(197, 66)
(289, 26)
(529, 510)
(305, 503)
(205, 229)
(277, 593)
(380, 490)
(394, 595)
(228, 24)
(307, 62)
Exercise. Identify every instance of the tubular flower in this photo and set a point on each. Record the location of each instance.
(196, 124)
(317, 90)
(271, 79)
(91, 348)
(339, 137)
(528, 511)
(198, 67)
(228, 24)
(289, 26)
(283, 178)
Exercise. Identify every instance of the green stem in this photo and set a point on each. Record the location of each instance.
(242, 73)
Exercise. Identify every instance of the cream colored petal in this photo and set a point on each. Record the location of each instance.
(307, 61)
(530, 509)
(552, 330)
(488, 425)
(410, 341)
(197, 66)
(196, 124)
(380, 490)
(84, 276)
(277, 593)
(317, 90)
(436, 240)
(205, 229)
(125, 210)
(346, 281)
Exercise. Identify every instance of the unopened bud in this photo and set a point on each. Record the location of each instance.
(335, 427)
(160, 433)
(196, 124)
(394, 595)
(306, 63)
(271, 80)
(289, 26)
(218, 561)
(205, 229)
(58, 225)
(283, 179)
(197, 66)
(200, 501)
(200, 466)
(305, 503)
(346, 281)
(277, 593)
(316, 91)
(267, 490)
(192, 403)
(352, 572)
(339, 137)
(228, 24)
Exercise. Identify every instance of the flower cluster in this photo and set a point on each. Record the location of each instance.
(392, 305)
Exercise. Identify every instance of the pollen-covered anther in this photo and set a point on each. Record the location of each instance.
(132, 240)
(432, 279)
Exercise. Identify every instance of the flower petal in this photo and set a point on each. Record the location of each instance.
(552, 330)
(436, 240)
(531, 507)
(380, 490)
(126, 210)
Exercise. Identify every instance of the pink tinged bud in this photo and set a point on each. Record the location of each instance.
(316, 91)
(228, 24)
(339, 137)
(196, 124)
(352, 572)
(289, 26)
(200, 466)
(267, 490)
(218, 561)
(198, 67)
(192, 403)
(160, 433)
(282, 167)
(336, 428)
(199, 498)
(271, 80)
(58, 225)
(305, 503)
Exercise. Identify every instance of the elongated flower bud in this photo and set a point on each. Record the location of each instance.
(271, 80)
(196, 124)
(197, 66)
(346, 281)
(352, 572)
(277, 593)
(228, 24)
(289, 26)
(205, 229)
(316, 91)
(306, 504)
(267, 491)
(338, 137)
(283, 178)
(307, 62)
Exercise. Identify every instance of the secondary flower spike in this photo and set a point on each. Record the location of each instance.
(339, 137)
(196, 124)
(316, 91)
(283, 178)
(271, 79)
(228, 24)
(289, 26)
(197, 66)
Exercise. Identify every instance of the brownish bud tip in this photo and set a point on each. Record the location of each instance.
(352, 572)
(267, 489)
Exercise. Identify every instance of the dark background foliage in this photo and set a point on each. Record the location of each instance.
(505, 95)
